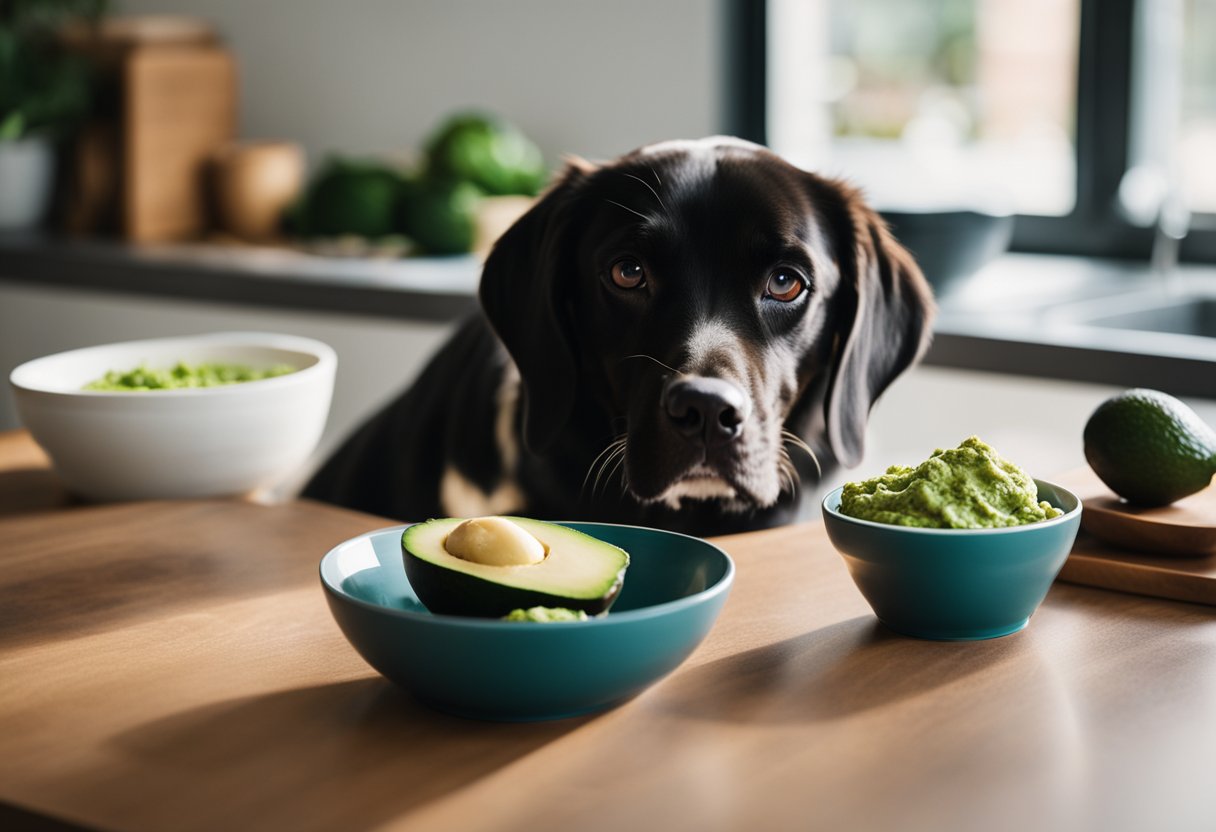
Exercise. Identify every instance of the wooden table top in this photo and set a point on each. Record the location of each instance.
(173, 665)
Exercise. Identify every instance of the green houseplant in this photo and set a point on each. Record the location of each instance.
(44, 93)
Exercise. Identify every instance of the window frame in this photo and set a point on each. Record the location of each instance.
(1095, 226)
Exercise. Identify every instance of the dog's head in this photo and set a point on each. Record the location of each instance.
(716, 301)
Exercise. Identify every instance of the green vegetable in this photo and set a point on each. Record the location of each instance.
(12, 126)
(350, 197)
(545, 615)
(1149, 447)
(44, 88)
(441, 215)
(183, 375)
(492, 154)
(968, 487)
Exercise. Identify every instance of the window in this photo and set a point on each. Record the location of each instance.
(1093, 120)
(1195, 22)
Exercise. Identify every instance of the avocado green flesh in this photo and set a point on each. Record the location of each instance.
(182, 375)
(545, 615)
(578, 573)
(968, 487)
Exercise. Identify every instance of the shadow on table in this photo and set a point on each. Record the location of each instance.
(835, 671)
(348, 755)
(30, 490)
(102, 566)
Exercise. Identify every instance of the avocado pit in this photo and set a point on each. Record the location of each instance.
(494, 541)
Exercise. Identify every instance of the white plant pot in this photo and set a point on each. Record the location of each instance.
(27, 168)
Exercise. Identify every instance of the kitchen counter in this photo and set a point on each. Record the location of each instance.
(427, 289)
(1068, 318)
(172, 665)
(1023, 314)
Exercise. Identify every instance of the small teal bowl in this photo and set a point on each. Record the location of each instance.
(518, 671)
(955, 584)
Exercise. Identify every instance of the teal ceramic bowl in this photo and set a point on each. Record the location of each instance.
(516, 671)
(955, 584)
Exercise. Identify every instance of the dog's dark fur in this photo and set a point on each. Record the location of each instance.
(679, 403)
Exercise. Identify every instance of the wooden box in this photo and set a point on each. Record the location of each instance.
(180, 105)
(139, 168)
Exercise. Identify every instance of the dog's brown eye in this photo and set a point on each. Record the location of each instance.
(628, 274)
(784, 285)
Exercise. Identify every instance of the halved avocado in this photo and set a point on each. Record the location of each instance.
(578, 572)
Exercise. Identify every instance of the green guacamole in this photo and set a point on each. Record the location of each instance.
(545, 614)
(183, 375)
(968, 487)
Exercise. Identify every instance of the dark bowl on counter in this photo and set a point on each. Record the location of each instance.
(951, 245)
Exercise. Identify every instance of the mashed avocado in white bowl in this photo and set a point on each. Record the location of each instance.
(121, 443)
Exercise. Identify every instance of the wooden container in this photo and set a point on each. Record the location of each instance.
(139, 169)
(180, 106)
(252, 184)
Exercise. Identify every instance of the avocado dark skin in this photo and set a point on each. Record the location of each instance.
(486, 599)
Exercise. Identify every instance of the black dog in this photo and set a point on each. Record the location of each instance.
(683, 327)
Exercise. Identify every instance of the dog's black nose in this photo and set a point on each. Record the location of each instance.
(710, 409)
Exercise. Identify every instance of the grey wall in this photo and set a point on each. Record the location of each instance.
(590, 77)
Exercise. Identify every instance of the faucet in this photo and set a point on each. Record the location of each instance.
(1150, 192)
(1149, 198)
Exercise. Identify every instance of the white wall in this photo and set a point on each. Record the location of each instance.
(590, 77)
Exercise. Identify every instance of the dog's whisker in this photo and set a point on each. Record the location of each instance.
(657, 181)
(670, 369)
(618, 466)
(624, 480)
(591, 468)
(613, 459)
(783, 469)
(650, 188)
(797, 441)
(627, 208)
(789, 473)
(618, 441)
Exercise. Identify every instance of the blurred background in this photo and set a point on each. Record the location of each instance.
(1034, 105)
(339, 169)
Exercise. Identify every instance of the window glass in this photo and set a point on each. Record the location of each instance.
(1197, 139)
(926, 102)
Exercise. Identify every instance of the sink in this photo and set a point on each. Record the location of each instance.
(1105, 322)
(1191, 315)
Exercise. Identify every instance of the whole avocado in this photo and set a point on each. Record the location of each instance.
(440, 215)
(350, 197)
(492, 154)
(1149, 447)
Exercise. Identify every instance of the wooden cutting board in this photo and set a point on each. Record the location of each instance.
(1138, 550)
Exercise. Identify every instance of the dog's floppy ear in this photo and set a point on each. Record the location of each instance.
(884, 332)
(521, 293)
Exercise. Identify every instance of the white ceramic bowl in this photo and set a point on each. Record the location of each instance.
(196, 442)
